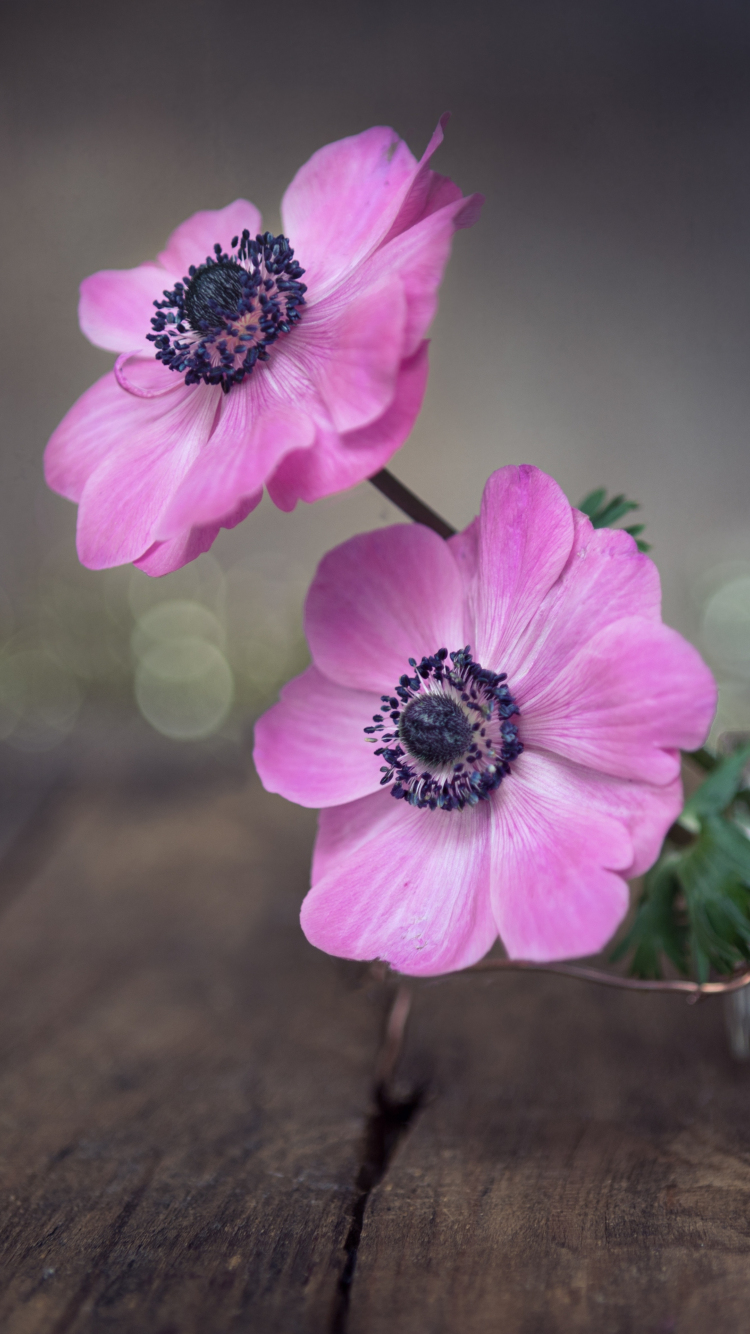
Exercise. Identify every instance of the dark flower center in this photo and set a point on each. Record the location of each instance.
(452, 740)
(435, 730)
(216, 289)
(217, 323)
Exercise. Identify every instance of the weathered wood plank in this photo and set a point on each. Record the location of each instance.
(183, 1086)
(582, 1163)
(183, 1080)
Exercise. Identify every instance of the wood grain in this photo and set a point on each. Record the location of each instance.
(188, 1142)
(583, 1163)
(183, 1080)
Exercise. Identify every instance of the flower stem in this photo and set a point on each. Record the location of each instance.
(693, 990)
(405, 500)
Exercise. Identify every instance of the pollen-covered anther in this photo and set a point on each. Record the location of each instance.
(222, 318)
(448, 736)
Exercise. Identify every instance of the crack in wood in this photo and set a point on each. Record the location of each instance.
(388, 1123)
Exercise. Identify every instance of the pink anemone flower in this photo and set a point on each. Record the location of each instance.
(515, 691)
(234, 374)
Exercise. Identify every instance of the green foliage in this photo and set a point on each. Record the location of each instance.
(695, 907)
(717, 791)
(604, 513)
(658, 928)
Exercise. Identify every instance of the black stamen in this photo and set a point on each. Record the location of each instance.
(228, 310)
(434, 729)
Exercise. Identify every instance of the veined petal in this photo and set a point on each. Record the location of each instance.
(605, 579)
(634, 696)
(429, 191)
(84, 437)
(357, 379)
(339, 461)
(242, 452)
(194, 240)
(558, 890)
(343, 201)
(164, 557)
(413, 892)
(418, 257)
(311, 746)
(116, 306)
(355, 195)
(379, 599)
(525, 537)
(646, 810)
(343, 831)
(150, 447)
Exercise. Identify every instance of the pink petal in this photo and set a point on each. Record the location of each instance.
(634, 695)
(646, 810)
(343, 201)
(311, 746)
(418, 257)
(339, 461)
(606, 578)
(357, 380)
(151, 444)
(194, 240)
(525, 537)
(241, 453)
(346, 829)
(82, 440)
(429, 191)
(116, 306)
(557, 865)
(380, 599)
(143, 376)
(164, 557)
(412, 890)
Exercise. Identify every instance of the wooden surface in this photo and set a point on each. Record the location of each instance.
(189, 1141)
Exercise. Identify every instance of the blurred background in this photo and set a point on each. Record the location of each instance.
(596, 322)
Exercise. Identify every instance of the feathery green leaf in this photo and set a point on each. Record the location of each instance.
(603, 513)
(695, 906)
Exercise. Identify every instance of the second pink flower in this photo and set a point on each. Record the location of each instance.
(515, 690)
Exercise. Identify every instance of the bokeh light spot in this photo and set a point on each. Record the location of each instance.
(725, 628)
(175, 619)
(184, 688)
